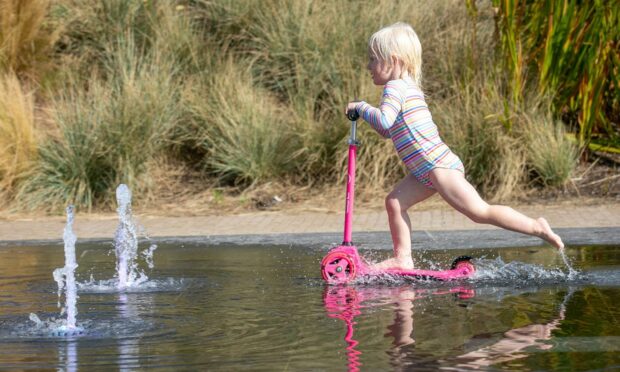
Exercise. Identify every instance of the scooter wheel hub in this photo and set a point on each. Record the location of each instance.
(338, 267)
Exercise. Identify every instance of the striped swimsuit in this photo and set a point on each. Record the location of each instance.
(404, 117)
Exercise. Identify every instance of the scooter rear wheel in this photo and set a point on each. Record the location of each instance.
(337, 267)
(463, 263)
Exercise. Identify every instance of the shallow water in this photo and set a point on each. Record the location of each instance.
(227, 307)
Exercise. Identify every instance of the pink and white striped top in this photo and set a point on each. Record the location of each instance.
(404, 117)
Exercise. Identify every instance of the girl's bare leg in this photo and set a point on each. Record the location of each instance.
(407, 192)
(461, 195)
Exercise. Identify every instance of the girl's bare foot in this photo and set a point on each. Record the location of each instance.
(547, 234)
(393, 263)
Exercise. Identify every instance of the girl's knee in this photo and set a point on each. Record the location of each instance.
(478, 214)
(393, 204)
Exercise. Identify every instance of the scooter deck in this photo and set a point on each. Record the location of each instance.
(343, 264)
(442, 275)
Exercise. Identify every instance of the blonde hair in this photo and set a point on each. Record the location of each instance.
(398, 40)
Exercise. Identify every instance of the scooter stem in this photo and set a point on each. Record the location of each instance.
(348, 212)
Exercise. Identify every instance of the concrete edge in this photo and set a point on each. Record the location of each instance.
(422, 239)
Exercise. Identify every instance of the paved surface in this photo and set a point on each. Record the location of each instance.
(294, 226)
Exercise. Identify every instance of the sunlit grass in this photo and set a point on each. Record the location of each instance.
(18, 144)
(551, 155)
(26, 36)
(246, 137)
(473, 125)
(569, 50)
(252, 92)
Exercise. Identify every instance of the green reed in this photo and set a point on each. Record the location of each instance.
(571, 51)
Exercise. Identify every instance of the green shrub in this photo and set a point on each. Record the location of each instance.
(551, 156)
(245, 135)
(108, 133)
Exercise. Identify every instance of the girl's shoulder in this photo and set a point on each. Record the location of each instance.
(406, 86)
(397, 84)
(414, 92)
(396, 87)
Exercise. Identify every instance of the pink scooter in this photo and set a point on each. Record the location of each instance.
(343, 263)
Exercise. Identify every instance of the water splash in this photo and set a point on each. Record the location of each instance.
(49, 328)
(572, 273)
(126, 244)
(497, 270)
(65, 276)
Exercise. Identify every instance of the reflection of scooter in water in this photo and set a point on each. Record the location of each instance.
(346, 302)
(515, 340)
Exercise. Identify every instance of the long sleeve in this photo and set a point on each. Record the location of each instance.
(382, 118)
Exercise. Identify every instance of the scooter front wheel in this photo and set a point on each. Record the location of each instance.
(337, 267)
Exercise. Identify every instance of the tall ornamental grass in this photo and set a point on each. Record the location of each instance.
(250, 93)
(91, 27)
(108, 132)
(472, 124)
(26, 36)
(313, 56)
(18, 143)
(245, 135)
(551, 156)
(162, 26)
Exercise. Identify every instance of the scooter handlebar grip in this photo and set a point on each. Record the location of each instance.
(353, 115)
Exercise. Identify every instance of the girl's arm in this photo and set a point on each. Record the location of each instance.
(382, 118)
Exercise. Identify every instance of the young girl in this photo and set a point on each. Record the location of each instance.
(395, 61)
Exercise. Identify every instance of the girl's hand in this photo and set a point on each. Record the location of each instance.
(351, 111)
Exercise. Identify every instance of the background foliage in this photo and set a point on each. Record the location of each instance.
(246, 93)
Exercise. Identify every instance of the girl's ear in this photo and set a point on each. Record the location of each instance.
(395, 60)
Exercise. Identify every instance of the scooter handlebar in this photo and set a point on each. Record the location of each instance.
(353, 115)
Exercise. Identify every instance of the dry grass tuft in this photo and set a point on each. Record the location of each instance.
(18, 144)
(26, 37)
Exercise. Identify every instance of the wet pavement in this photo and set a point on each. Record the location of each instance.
(441, 228)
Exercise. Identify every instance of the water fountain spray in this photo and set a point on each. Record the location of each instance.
(125, 240)
(65, 276)
(126, 244)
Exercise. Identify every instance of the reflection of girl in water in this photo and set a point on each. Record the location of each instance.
(510, 347)
(344, 302)
(402, 328)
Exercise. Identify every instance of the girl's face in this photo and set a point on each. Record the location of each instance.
(381, 71)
